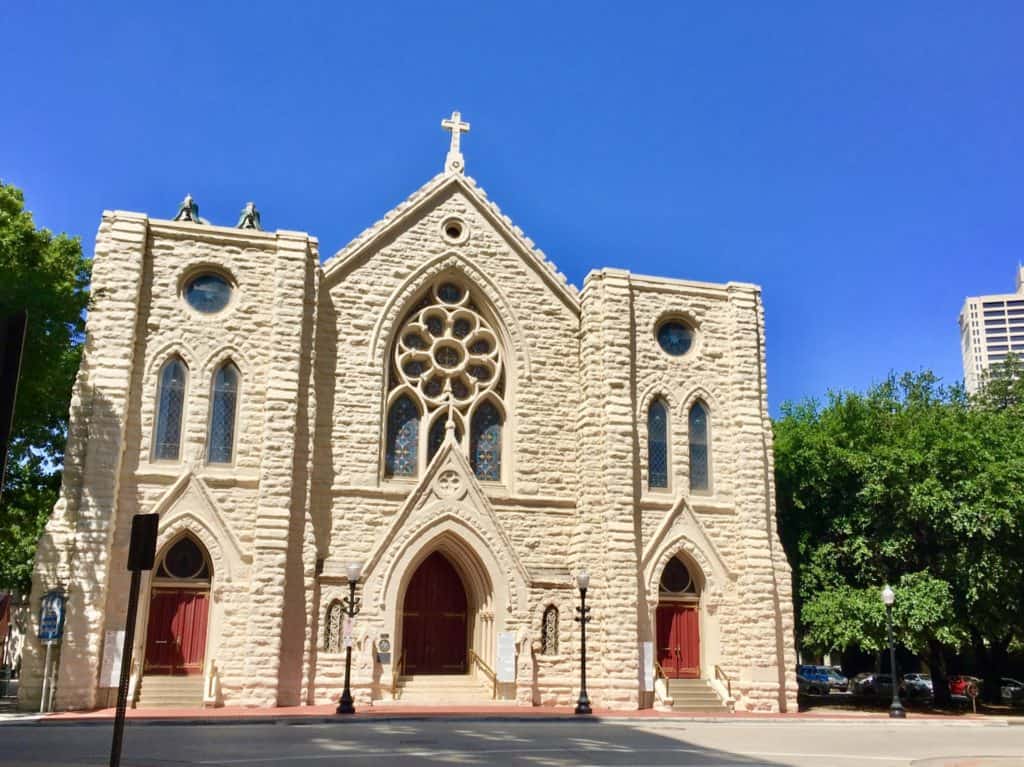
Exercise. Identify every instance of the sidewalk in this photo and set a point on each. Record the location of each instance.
(326, 714)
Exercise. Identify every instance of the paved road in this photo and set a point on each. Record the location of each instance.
(631, 743)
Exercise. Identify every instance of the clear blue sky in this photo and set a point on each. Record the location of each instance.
(861, 161)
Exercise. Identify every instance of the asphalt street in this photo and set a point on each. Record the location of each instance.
(537, 743)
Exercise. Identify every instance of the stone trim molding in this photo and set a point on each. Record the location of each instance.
(209, 519)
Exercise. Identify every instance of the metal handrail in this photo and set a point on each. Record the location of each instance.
(396, 674)
(659, 672)
(488, 672)
(722, 676)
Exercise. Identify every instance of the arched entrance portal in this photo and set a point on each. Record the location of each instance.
(179, 610)
(678, 622)
(435, 632)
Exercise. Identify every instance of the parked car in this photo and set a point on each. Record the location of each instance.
(870, 684)
(811, 681)
(1009, 687)
(963, 687)
(916, 687)
(836, 681)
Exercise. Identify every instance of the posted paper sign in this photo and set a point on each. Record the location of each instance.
(506, 670)
(647, 663)
(113, 651)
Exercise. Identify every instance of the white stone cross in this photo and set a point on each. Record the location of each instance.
(453, 162)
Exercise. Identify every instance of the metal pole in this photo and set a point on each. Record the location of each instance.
(345, 704)
(46, 677)
(896, 710)
(583, 703)
(126, 665)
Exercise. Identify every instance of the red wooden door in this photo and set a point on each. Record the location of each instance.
(176, 636)
(434, 619)
(679, 640)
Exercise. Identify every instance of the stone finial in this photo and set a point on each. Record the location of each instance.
(454, 163)
(250, 218)
(188, 211)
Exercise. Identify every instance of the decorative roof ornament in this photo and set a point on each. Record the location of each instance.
(250, 218)
(454, 162)
(189, 211)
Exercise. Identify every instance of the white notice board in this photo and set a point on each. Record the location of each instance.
(113, 649)
(647, 663)
(506, 656)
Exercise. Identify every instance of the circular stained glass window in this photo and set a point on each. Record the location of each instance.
(208, 293)
(675, 338)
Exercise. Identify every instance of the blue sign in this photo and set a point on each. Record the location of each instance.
(51, 616)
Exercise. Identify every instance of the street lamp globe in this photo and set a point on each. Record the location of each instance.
(888, 596)
(583, 579)
(354, 570)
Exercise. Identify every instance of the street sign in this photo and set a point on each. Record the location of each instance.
(51, 616)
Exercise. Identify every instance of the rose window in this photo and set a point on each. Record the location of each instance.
(446, 360)
(446, 351)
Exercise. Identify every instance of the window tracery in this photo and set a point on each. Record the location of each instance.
(549, 631)
(446, 358)
(333, 626)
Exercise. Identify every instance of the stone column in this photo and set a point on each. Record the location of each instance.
(75, 548)
(282, 480)
(606, 540)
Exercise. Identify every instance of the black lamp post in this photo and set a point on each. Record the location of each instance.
(896, 710)
(583, 618)
(351, 606)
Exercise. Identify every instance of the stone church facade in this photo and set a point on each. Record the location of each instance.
(437, 403)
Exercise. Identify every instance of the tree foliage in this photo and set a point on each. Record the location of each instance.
(913, 484)
(48, 276)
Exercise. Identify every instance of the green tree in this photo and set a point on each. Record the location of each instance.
(911, 484)
(48, 276)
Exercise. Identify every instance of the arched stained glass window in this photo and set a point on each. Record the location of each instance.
(403, 438)
(333, 626)
(549, 631)
(657, 444)
(436, 437)
(485, 442)
(699, 474)
(221, 439)
(170, 408)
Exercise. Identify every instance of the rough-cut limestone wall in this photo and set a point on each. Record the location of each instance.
(74, 551)
(606, 543)
(168, 326)
(753, 617)
(359, 307)
(282, 471)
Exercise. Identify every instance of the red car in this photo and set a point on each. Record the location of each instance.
(964, 687)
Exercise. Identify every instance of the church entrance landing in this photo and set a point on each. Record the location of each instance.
(435, 632)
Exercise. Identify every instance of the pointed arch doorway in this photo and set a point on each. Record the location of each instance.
(179, 611)
(678, 622)
(435, 628)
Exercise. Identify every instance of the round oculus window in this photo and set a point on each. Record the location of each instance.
(208, 293)
(675, 338)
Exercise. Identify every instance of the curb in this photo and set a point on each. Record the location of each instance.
(294, 721)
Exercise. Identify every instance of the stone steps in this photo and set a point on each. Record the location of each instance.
(695, 696)
(442, 690)
(184, 691)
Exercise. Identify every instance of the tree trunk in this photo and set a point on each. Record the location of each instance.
(937, 664)
(991, 659)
